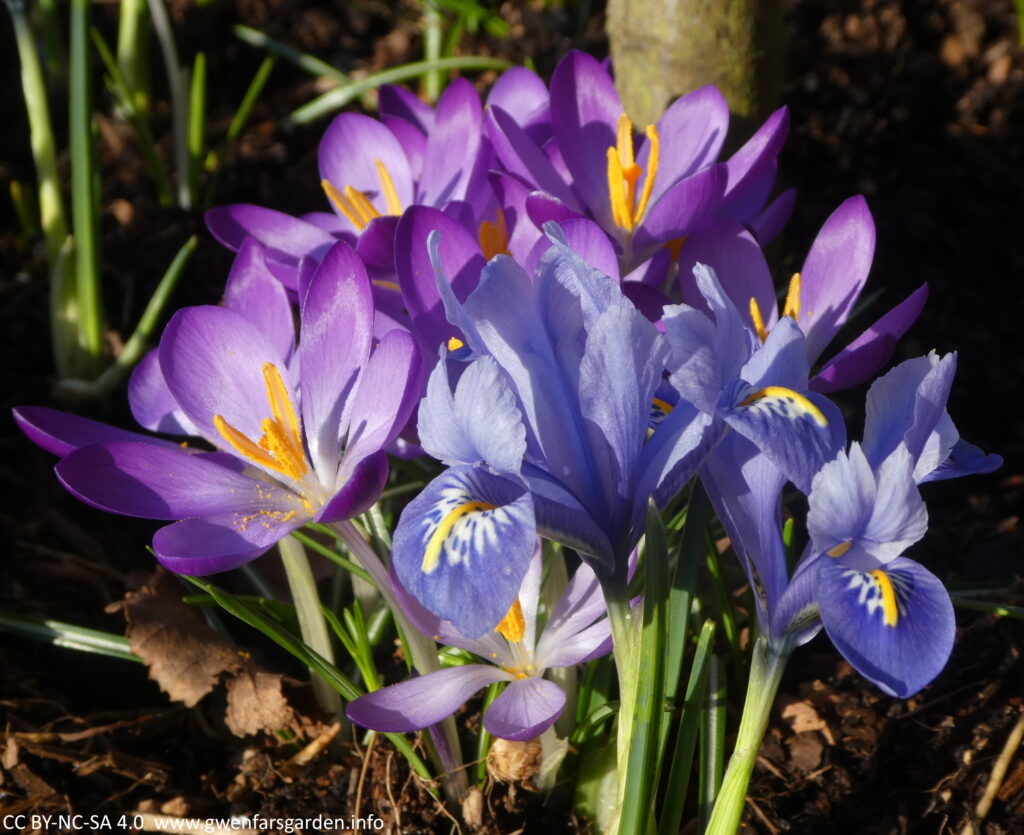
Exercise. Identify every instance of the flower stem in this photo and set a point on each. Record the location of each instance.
(311, 621)
(766, 667)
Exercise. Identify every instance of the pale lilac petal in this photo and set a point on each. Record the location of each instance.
(421, 701)
(581, 647)
(526, 709)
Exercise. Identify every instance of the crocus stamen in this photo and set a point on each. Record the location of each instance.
(785, 403)
(280, 449)
(432, 555)
(494, 237)
(792, 306)
(624, 174)
(890, 608)
(758, 319)
(513, 626)
(839, 549)
(387, 188)
(352, 203)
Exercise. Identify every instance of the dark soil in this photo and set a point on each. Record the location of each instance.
(918, 105)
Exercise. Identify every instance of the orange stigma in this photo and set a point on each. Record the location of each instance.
(624, 174)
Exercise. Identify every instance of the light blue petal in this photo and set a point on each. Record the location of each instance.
(480, 423)
(841, 500)
(781, 360)
(463, 545)
(895, 624)
(899, 517)
(965, 459)
(796, 619)
(525, 710)
(696, 367)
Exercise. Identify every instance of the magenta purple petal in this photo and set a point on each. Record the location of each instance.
(62, 432)
(866, 355)
(773, 217)
(523, 95)
(155, 482)
(215, 544)
(397, 102)
(286, 238)
(523, 158)
(526, 709)
(152, 404)
(759, 153)
(585, 109)
(255, 293)
(412, 140)
(453, 146)
(362, 486)
(422, 701)
(682, 207)
(834, 272)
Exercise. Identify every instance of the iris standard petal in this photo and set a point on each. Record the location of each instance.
(157, 482)
(463, 545)
(895, 624)
(421, 701)
(61, 432)
(526, 709)
(834, 272)
(899, 517)
(841, 499)
(964, 459)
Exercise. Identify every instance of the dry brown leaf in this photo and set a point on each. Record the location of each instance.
(184, 655)
(256, 703)
(805, 750)
(802, 717)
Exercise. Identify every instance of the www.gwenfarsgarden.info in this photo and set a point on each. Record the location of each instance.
(165, 823)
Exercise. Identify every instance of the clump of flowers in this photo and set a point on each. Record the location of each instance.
(578, 322)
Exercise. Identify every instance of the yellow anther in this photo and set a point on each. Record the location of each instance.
(454, 343)
(280, 448)
(758, 319)
(432, 555)
(352, 203)
(890, 610)
(624, 174)
(792, 306)
(789, 397)
(839, 549)
(494, 237)
(513, 626)
(387, 188)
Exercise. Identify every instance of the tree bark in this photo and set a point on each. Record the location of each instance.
(662, 49)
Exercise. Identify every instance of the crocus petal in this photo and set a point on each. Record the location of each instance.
(767, 225)
(459, 253)
(156, 482)
(737, 259)
(463, 545)
(152, 404)
(691, 131)
(349, 151)
(395, 101)
(337, 328)
(361, 486)
(285, 238)
(525, 710)
(523, 158)
(412, 140)
(388, 390)
(61, 432)
(758, 154)
(219, 543)
(421, 701)
(645, 298)
(213, 362)
(862, 358)
(585, 109)
(834, 272)
(522, 94)
(453, 145)
(681, 207)
(479, 424)
(895, 624)
(376, 245)
(254, 292)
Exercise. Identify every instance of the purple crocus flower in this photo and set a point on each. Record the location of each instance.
(371, 171)
(282, 460)
(820, 298)
(575, 632)
(643, 194)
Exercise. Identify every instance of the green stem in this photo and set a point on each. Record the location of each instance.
(766, 669)
(311, 621)
(433, 23)
(626, 623)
